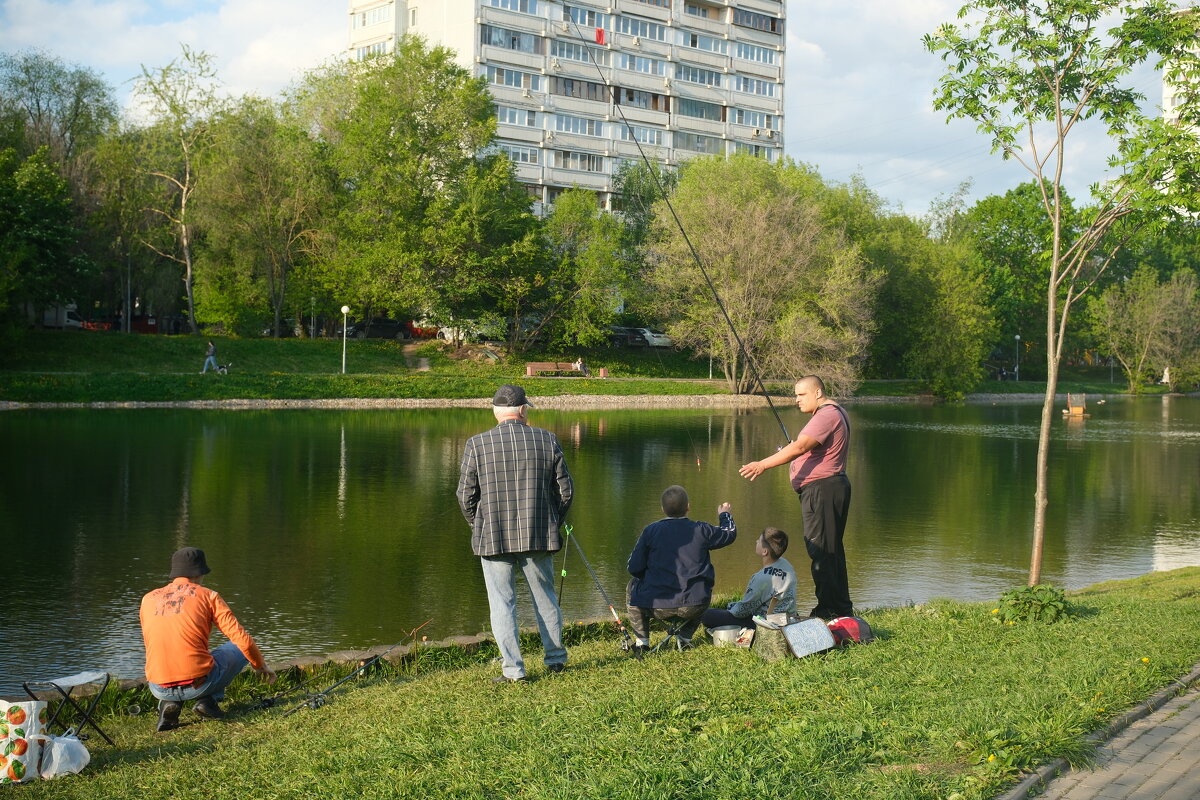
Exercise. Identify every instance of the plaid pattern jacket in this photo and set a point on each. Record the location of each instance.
(514, 490)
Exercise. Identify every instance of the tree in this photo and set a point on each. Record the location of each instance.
(1150, 326)
(1030, 73)
(399, 131)
(39, 259)
(798, 294)
(181, 99)
(588, 272)
(260, 207)
(65, 109)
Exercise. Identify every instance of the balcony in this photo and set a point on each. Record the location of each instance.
(499, 55)
(597, 181)
(701, 58)
(656, 13)
(512, 20)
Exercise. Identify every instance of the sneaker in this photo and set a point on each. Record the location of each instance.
(503, 679)
(168, 715)
(207, 707)
(554, 669)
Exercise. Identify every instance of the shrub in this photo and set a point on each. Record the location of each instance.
(1040, 603)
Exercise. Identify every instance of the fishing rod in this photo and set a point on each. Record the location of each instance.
(318, 699)
(679, 224)
(626, 639)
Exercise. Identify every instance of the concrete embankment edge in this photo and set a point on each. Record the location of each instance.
(1035, 783)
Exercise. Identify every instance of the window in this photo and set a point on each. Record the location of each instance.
(504, 76)
(754, 86)
(700, 42)
(412, 18)
(373, 16)
(581, 125)
(516, 116)
(587, 18)
(377, 49)
(757, 150)
(518, 154)
(524, 6)
(698, 143)
(686, 72)
(659, 3)
(752, 52)
(574, 51)
(650, 66)
(510, 40)
(755, 119)
(584, 90)
(698, 11)
(640, 99)
(643, 28)
(585, 162)
(760, 22)
(699, 109)
(642, 134)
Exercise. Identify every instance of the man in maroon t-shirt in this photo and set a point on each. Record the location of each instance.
(818, 475)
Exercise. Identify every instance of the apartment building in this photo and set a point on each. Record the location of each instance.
(690, 77)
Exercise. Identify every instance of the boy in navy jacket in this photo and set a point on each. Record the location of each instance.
(672, 573)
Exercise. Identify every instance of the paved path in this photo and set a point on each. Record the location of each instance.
(1155, 758)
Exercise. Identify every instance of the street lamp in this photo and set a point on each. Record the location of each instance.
(345, 311)
(1016, 370)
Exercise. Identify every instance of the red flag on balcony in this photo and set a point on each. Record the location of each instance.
(599, 35)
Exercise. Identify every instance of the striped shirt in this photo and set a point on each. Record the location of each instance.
(514, 490)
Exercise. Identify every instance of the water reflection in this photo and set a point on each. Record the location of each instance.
(332, 529)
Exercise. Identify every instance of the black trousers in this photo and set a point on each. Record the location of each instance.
(688, 617)
(824, 506)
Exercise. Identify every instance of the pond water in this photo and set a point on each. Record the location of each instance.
(335, 529)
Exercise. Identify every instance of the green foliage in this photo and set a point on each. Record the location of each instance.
(798, 293)
(39, 259)
(1040, 603)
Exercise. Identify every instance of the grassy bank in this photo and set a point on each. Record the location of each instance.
(79, 367)
(947, 703)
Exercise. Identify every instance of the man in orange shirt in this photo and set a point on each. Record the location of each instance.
(177, 620)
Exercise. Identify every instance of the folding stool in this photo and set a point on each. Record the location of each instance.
(83, 714)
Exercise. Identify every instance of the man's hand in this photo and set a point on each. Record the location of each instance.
(752, 470)
(267, 674)
(724, 508)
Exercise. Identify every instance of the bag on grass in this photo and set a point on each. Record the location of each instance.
(850, 630)
(63, 755)
(21, 726)
(773, 641)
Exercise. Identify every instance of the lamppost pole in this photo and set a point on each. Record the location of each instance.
(1017, 369)
(345, 311)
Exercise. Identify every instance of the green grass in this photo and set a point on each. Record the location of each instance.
(947, 703)
(81, 367)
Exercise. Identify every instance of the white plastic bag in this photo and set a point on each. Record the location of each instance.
(63, 755)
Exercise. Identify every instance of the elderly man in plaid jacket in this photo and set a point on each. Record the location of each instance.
(514, 490)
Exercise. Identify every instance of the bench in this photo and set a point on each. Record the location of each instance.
(534, 368)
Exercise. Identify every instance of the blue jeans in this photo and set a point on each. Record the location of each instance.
(228, 661)
(210, 360)
(500, 577)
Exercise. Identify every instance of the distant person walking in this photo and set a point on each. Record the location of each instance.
(818, 476)
(514, 491)
(210, 358)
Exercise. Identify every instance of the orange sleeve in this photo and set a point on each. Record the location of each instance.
(230, 626)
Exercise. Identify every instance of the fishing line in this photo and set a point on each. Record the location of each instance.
(679, 224)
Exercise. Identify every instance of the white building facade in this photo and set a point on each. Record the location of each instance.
(692, 77)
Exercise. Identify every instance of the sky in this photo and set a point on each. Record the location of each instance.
(858, 87)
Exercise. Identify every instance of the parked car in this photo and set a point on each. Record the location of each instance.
(380, 328)
(619, 336)
(655, 338)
